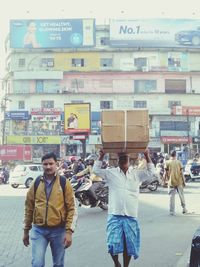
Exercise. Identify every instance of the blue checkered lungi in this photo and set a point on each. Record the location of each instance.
(122, 229)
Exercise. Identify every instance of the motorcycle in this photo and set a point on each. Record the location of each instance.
(152, 184)
(81, 189)
(4, 176)
(192, 171)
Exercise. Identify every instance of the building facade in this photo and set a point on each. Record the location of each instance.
(109, 73)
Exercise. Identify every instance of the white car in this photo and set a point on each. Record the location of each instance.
(25, 174)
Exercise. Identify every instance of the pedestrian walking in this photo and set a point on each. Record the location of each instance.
(176, 182)
(123, 232)
(50, 214)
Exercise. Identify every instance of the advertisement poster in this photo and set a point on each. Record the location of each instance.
(57, 33)
(20, 152)
(155, 33)
(77, 118)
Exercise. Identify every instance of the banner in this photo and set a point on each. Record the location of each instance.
(186, 110)
(49, 118)
(55, 33)
(155, 33)
(13, 152)
(175, 140)
(33, 140)
(77, 118)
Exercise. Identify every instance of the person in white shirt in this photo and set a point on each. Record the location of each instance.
(123, 233)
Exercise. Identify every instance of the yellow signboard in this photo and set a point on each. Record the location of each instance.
(77, 118)
(32, 140)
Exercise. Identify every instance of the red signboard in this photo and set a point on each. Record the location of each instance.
(175, 140)
(15, 152)
(47, 111)
(186, 110)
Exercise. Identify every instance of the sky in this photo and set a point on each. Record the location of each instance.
(101, 10)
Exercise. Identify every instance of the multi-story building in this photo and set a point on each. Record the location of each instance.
(108, 70)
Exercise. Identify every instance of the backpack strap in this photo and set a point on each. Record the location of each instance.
(36, 184)
(63, 184)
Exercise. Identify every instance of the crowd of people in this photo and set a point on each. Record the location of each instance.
(123, 230)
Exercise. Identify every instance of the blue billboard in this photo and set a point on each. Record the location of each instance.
(155, 33)
(58, 33)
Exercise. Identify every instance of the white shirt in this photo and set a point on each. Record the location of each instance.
(124, 188)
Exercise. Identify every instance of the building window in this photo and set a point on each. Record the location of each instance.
(104, 41)
(47, 104)
(140, 63)
(76, 84)
(21, 104)
(174, 126)
(174, 62)
(39, 86)
(173, 103)
(21, 62)
(145, 86)
(78, 62)
(106, 62)
(47, 62)
(140, 104)
(106, 105)
(175, 86)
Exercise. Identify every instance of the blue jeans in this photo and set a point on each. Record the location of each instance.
(41, 237)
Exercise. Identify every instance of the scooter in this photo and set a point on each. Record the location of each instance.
(192, 172)
(84, 199)
(152, 184)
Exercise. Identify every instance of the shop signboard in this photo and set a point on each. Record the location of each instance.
(31, 140)
(15, 152)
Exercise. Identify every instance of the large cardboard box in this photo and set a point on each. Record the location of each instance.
(125, 130)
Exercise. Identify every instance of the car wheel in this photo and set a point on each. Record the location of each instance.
(28, 182)
(196, 40)
(14, 185)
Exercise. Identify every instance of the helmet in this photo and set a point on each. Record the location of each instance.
(73, 159)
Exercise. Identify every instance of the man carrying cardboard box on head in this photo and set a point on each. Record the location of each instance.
(123, 233)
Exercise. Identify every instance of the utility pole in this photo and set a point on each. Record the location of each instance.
(3, 106)
(188, 132)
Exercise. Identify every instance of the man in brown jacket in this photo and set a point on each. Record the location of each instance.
(50, 213)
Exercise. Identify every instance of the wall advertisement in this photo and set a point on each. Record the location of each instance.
(77, 118)
(31, 140)
(155, 33)
(186, 110)
(14, 152)
(55, 33)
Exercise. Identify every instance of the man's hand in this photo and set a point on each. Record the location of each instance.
(147, 155)
(101, 154)
(26, 238)
(68, 239)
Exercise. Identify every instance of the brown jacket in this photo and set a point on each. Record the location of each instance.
(54, 212)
